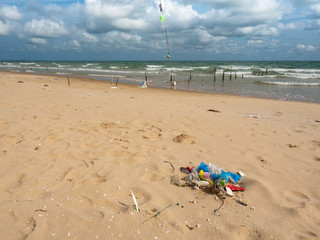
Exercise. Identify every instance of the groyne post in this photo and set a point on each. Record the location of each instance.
(214, 73)
(68, 80)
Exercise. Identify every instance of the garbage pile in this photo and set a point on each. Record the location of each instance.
(210, 176)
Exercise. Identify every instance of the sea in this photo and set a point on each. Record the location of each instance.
(280, 80)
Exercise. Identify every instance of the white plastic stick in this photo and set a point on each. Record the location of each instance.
(135, 201)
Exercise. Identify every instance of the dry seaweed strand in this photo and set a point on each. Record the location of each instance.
(157, 213)
(216, 190)
(240, 202)
(170, 164)
(216, 211)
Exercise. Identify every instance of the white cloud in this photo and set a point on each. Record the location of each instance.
(308, 48)
(45, 28)
(205, 37)
(287, 26)
(87, 37)
(316, 9)
(116, 36)
(40, 41)
(262, 30)
(4, 28)
(130, 24)
(99, 9)
(213, 25)
(180, 16)
(10, 13)
(74, 44)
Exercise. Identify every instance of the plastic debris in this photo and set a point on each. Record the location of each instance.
(235, 188)
(229, 191)
(240, 173)
(135, 201)
(212, 179)
(175, 180)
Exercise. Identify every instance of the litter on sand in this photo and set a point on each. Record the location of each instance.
(135, 201)
(214, 179)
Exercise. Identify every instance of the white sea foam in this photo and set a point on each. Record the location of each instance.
(291, 83)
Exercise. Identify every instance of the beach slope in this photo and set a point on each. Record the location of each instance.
(70, 155)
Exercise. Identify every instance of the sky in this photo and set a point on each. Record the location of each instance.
(132, 30)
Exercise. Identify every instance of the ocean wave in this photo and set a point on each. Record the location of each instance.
(290, 83)
(90, 64)
(155, 66)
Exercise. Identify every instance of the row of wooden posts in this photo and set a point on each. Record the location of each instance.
(117, 80)
(215, 77)
(190, 77)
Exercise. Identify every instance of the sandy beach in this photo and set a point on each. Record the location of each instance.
(71, 155)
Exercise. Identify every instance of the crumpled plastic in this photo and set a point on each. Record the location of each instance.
(192, 178)
(214, 169)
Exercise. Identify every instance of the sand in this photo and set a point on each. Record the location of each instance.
(70, 154)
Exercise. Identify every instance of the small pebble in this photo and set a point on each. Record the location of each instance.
(252, 208)
(198, 225)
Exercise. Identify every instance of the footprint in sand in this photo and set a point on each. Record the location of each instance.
(20, 228)
(295, 199)
(151, 133)
(11, 181)
(184, 138)
(304, 234)
(27, 225)
(242, 232)
(156, 174)
(278, 114)
(107, 125)
(99, 177)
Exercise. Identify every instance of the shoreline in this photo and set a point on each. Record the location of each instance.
(70, 154)
(134, 83)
